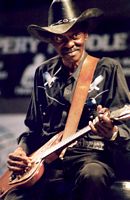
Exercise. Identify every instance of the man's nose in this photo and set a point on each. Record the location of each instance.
(69, 42)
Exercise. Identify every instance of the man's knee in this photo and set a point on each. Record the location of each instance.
(93, 172)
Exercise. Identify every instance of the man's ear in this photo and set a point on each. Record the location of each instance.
(86, 36)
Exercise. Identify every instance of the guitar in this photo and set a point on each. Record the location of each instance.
(48, 152)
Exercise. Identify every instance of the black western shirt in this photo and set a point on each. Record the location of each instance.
(52, 96)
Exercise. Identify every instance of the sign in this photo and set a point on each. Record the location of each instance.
(21, 55)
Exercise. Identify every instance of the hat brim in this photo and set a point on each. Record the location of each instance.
(45, 33)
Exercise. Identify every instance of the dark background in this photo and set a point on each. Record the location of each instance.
(18, 53)
(16, 15)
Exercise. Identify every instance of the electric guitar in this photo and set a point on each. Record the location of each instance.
(49, 152)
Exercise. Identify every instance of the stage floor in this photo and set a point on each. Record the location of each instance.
(11, 126)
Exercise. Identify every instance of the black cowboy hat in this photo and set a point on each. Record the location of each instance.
(62, 16)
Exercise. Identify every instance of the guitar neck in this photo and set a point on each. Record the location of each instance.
(66, 142)
(118, 115)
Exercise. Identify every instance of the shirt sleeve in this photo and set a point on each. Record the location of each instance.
(32, 139)
(119, 96)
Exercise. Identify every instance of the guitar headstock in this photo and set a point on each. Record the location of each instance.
(121, 114)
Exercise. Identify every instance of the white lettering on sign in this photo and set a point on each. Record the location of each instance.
(15, 45)
(106, 42)
(3, 73)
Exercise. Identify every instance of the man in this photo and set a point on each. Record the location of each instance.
(86, 169)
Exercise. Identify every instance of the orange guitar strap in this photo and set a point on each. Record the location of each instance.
(80, 95)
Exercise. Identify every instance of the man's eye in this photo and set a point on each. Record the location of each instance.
(58, 38)
(76, 35)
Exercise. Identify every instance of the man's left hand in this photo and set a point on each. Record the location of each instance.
(102, 125)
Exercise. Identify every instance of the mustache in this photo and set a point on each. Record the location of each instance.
(69, 50)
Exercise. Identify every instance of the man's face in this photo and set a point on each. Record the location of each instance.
(70, 45)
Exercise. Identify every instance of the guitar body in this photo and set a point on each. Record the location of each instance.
(30, 177)
(49, 152)
(26, 180)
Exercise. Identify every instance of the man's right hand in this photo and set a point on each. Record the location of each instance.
(18, 161)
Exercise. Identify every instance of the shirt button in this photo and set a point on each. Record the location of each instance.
(67, 91)
(44, 113)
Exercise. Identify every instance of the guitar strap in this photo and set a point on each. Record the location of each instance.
(80, 95)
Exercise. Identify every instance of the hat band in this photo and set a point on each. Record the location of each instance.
(64, 21)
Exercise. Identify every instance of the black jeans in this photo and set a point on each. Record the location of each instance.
(82, 175)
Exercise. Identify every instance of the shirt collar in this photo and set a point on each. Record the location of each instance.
(75, 74)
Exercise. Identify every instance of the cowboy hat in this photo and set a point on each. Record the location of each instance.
(62, 16)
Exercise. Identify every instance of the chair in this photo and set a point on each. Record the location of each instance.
(120, 190)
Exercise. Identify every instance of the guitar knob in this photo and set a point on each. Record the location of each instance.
(19, 177)
(1, 191)
(12, 177)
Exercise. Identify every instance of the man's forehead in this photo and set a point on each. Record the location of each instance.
(71, 31)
